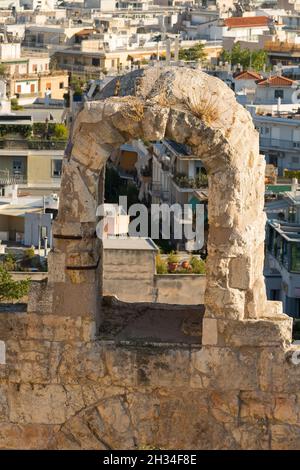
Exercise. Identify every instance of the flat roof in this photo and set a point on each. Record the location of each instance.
(129, 243)
(20, 206)
(289, 231)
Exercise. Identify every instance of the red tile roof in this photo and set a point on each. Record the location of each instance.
(248, 75)
(247, 21)
(85, 32)
(276, 81)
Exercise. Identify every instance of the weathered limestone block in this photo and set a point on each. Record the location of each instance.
(212, 367)
(26, 437)
(240, 273)
(43, 404)
(262, 332)
(284, 436)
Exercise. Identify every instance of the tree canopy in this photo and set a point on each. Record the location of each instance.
(3, 69)
(10, 289)
(246, 58)
(194, 53)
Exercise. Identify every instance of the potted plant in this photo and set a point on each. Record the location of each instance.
(185, 264)
(198, 265)
(161, 265)
(173, 260)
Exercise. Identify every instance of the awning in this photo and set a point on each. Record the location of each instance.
(278, 188)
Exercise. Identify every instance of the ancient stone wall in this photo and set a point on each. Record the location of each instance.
(82, 373)
(62, 389)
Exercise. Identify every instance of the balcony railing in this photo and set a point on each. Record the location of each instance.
(155, 189)
(268, 142)
(184, 182)
(278, 46)
(11, 178)
(28, 144)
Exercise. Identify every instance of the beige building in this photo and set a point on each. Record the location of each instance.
(90, 57)
(29, 75)
(29, 160)
(27, 88)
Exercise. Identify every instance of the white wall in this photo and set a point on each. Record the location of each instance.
(103, 5)
(32, 224)
(10, 51)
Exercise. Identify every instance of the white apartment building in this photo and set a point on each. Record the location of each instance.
(279, 138)
(38, 4)
(102, 5)
(269, 90)
(282, 262)
(18, 64)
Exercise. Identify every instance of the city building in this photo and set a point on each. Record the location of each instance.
(29, 155)
(282, 264)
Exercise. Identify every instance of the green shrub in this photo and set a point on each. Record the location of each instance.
(25, 130)
(9, 262)
(15, 105)
(60, 132)
(173, 257)
(198, 265)
(12, 290)
(161, 265)
(29, 253)
(292, 174)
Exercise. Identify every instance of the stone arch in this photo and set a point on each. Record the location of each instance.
(192, 108)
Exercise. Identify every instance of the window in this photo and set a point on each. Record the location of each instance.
(296, 159)
(17, 167)
(295, 257)
(48, 86)
(278, 94)
(56, 168)
(19, 88)
(95, 62)
(61, 85)
(32, 88)
(34, 68)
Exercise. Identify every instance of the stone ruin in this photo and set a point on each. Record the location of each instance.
(73, 381)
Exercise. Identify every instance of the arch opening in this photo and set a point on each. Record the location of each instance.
(190, 108)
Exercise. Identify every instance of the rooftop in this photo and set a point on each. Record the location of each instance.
(248, 75)
(247, 22)
(129, 243)
(276, 81)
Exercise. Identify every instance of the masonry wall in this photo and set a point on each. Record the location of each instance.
(185, 289)
(61, 389)
(130, 276)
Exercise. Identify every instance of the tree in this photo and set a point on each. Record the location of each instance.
(194, 53)
(246, 58)
(76, 85)
(15, 104)
(10, 289)
(60, 132)
(3, 70)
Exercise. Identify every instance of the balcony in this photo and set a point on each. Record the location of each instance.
(28, 144)
(278, 144)
(157, 191)
(7, 178)
(184, 182)
(281, 47)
